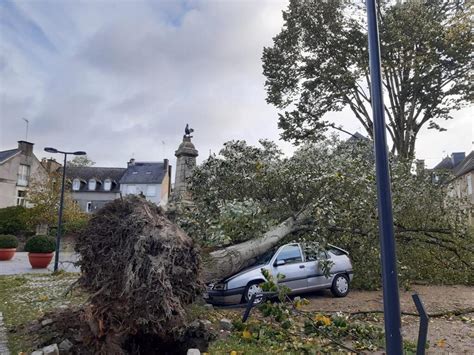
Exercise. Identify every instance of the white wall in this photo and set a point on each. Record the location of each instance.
(146, 189)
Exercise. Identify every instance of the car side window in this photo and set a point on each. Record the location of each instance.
(290, 254)
(321, 255)
(313, 252)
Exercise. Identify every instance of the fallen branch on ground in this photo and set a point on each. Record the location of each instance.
(455, 312)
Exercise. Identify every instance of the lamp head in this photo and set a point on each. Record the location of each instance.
(50, 150)
(79, 153)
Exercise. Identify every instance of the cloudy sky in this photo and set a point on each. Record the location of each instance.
(120, 79)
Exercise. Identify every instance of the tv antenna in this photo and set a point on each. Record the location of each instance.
(27, 124)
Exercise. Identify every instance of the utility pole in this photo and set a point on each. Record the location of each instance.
(391, 299)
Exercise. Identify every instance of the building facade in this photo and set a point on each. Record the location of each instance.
(149, 179)
(92, 187)
(461, 186)
(460, 180)
(17, 169)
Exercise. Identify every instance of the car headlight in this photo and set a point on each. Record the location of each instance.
(220, 287)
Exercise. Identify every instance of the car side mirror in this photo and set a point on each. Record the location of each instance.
(280, 262)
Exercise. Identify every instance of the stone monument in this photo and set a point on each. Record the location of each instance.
(185, 163)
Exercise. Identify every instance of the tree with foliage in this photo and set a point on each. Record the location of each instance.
(44, 195)
(249, 199)
(80, 160)
(319, 64)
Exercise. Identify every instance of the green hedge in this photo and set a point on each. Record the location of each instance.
(40, 244)
(13, 220)
(8, 241)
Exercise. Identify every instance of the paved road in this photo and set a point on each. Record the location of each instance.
(20, 264)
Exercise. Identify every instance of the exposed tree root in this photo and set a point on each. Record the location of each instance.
(142, 271)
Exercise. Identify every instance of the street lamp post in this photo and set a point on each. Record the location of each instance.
(61, 201)
(391, 299)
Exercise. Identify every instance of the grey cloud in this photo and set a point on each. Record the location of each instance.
(130, 75)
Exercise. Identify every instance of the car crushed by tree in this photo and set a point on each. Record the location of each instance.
(297, 266)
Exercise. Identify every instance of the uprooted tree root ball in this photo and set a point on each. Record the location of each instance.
(142, 271)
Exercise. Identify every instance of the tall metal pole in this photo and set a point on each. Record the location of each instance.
(60, 218)
(391, 300)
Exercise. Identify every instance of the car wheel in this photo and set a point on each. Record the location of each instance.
(340, 286)
(251, 289)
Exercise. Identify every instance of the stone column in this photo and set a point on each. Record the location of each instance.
(185, 163)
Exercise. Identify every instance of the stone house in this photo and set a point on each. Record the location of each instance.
(461, 185)
(447, 165)
(461, 169)
(18, 167)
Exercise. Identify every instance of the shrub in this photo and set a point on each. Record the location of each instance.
(74, 226)
(40, 244)
(13, 220)
(8, 241)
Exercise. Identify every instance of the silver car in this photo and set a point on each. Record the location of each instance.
(302, 272)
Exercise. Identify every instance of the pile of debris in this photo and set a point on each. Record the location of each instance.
(141, 271)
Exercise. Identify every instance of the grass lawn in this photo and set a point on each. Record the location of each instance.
(25, 298)
(271, 329)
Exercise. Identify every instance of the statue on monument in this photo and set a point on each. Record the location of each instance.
(188, 131)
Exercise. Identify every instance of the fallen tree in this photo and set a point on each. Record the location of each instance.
(142, 270)
(224, 262)
(249, 199)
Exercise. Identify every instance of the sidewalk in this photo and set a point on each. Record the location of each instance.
(20, 264)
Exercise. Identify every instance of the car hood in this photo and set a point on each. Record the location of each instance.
(244, 271)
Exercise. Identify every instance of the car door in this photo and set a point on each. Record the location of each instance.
(289, 262)
(316, 278)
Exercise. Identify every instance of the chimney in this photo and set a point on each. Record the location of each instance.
(26, 148)
(458, 157)
(51, 165)
(131, 162)
(420, 166)
(166, 162)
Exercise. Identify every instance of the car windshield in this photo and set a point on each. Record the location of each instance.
(266, 257)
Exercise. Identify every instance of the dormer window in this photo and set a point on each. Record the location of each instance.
(92, 184)
(76, 184)
(107, 184)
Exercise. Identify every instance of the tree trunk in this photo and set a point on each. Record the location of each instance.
(225, 262)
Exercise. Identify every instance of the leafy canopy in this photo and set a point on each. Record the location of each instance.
(80, 160)
(44, 195)
(319, 63)
(244, 191)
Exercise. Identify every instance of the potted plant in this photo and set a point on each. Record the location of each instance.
(40, 250)
(8, 244)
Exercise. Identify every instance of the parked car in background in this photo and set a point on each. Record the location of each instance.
(303, 272)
